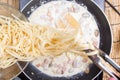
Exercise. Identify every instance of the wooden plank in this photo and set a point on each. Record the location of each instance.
(114, 2)
(116, 33)
(115, 54)
(114, 19)
(14, 3)
(112, 16)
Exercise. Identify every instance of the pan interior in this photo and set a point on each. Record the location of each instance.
(105, 39)
(69, 16)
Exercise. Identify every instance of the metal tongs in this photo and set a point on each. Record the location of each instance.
(98, 61)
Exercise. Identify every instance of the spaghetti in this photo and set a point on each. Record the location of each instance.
(23, 41)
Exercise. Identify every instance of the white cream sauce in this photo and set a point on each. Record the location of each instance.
(67, 64)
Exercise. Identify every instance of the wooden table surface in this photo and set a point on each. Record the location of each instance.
(114, 20)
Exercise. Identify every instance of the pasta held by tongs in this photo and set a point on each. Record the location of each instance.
(24, 41)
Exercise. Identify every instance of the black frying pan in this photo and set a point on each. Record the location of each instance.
(105, 42)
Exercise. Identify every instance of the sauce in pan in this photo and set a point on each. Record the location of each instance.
(61, 14)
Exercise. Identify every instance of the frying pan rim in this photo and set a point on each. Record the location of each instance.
(110, 33)
(108, 25)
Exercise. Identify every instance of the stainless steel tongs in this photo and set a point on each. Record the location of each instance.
(98, 61)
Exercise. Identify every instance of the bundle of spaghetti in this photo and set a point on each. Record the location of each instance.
(24, 41)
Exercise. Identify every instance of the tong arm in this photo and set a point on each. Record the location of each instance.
(97, 61)
(108, 59)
